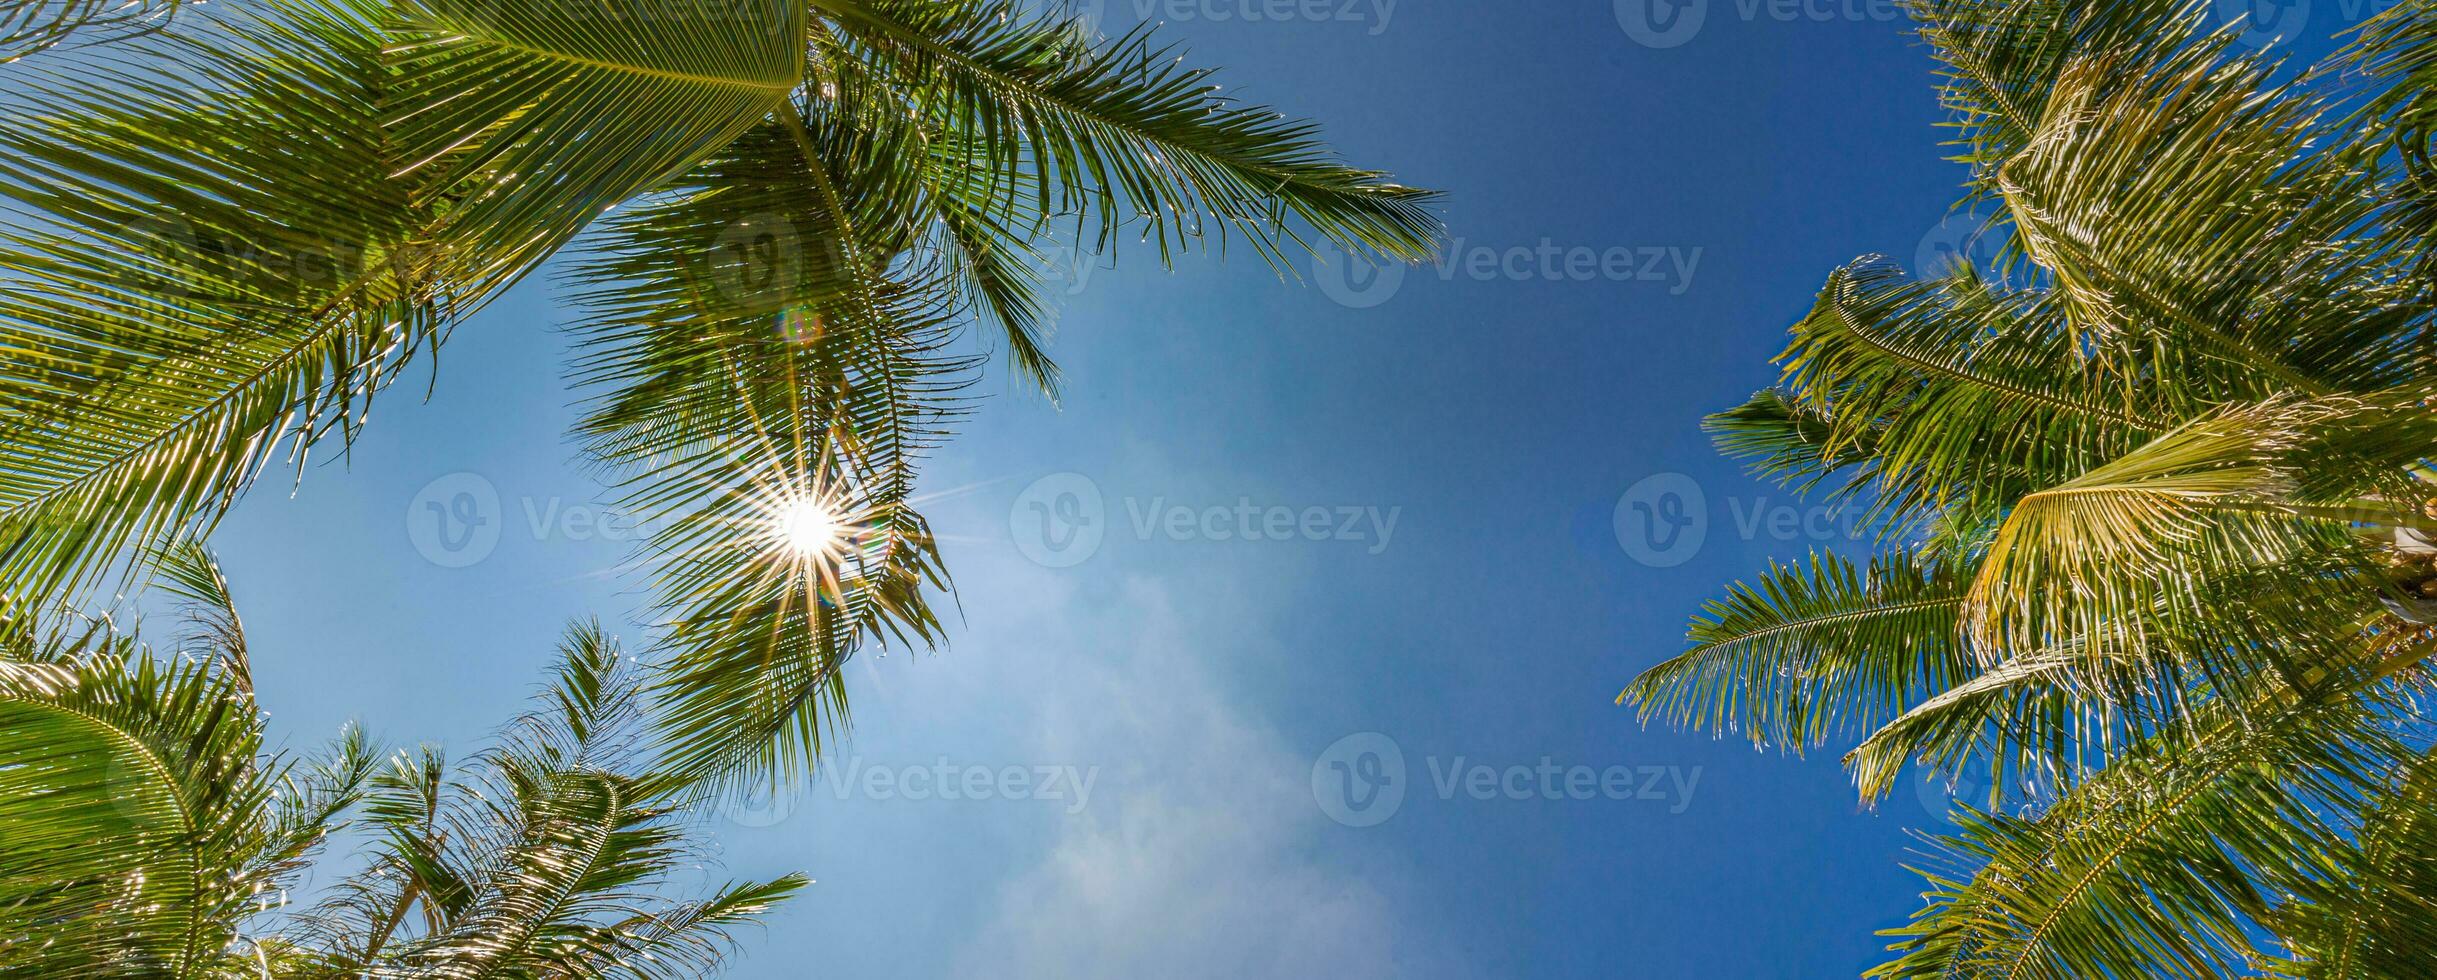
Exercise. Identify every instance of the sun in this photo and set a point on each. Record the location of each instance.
(806, 527)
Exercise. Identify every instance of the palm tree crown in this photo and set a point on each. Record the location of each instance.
(228, 234)
(2155, 489)
(145, 831)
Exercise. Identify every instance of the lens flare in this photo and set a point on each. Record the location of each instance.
(806, 527)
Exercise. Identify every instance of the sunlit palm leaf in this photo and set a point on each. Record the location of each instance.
(182, 312)
(1813, 650)
(534, 117)
(133, 816)
(1121, 128)
(27, 26)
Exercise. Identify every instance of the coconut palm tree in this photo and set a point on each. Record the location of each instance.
(2153, 485)
(228, 231)
(145, 831)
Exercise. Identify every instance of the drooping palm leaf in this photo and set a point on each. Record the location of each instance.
(182, 312)
(1814, 649)
(132, 815)
(1124, 130)
(28, 26)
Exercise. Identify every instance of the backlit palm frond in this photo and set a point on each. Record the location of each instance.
(182, 313)
(769, 364)
(2120, 558)
(2003, 59)
(2193, 199)
(27, 26)
(2398, 50)
(354, 924)
(2019, 722)
(1121, 128)
(957, 198)
(2377, 919)
(1813, 650)
(189, 574)
(2040, 719)
(532, 118)
(133, 815)
(1796, 446)
(1952, 393)
(347, 178)
(2165, 864)
(555, 849)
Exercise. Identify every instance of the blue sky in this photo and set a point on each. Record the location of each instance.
(1181, 685)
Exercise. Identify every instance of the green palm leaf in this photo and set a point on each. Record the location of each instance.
(1122, 129)
(132, 815)
(27, 26)
(1814, 649)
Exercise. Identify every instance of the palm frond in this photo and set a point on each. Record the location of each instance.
(1814, 649)
(28, 26)
(133, 810)
(531, 119)
(2164, 864)
(1122, 129)
(800, 377)
(185, 312)
(1959, 391)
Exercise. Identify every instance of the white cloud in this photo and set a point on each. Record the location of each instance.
(1202, 853)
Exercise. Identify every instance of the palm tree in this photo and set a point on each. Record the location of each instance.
(229, 233)
(2154, 488)
(144, 831)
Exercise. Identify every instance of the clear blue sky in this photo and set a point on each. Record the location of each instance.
(1497, 412)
